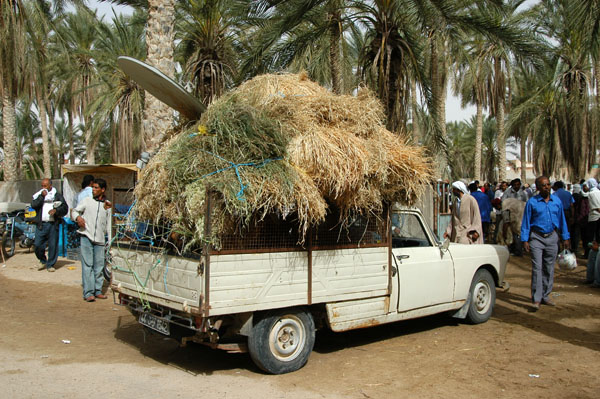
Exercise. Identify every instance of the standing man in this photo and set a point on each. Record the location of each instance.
(50, 207)
(485, 208)
(515, 191)
(512, 215)
(567, 200)
(86, 188)
(500, 192)
(543, 221)
(93, 217)
(489, 191)
(465, 226)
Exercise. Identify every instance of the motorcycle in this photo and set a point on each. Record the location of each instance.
(16, 228)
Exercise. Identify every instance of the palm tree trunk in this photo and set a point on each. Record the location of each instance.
(501, 140)
(595, 118)
(71, 138)
(523, 157)
(334, 51)
(478, 139)
(414, 110)
(158, 117)
(45, 139)
(439, 104)
(11, 171)
(90, 143)
(57, 159)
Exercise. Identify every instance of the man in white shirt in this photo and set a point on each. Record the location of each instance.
(50, 207)
(500, 192)
(594, 215)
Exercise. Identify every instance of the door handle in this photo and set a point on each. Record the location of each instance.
(400, 257)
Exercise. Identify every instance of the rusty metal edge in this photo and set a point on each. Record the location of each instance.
(310, 266)
(207, 222)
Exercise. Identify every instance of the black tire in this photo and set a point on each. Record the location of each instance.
(281, 340)
(483, 297)
(107, 272)
(8, 245)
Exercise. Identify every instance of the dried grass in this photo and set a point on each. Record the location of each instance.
(307, 148)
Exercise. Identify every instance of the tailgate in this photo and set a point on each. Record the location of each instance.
(155, 276)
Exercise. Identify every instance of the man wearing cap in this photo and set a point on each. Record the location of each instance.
(541, 229)
(465, 226)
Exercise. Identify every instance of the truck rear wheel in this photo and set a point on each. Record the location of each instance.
(281, 340)
(483, 297)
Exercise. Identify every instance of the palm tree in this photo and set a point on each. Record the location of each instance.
(39, 36)
(298, 34)
(489, 149)
(207, 33)
(28, 133)
(119, 104)
(76, 68)
(460, 149)
(13, 17)
(472, 74)
(560, 113)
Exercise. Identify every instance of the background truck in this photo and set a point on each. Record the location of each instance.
(265, 293)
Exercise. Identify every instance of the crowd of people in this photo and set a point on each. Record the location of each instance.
(92, 213)
(537, 218)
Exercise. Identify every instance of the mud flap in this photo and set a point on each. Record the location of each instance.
(462, 312)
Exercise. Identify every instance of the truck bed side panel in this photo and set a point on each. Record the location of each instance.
(175, 279)
(349, 272)
(246, 282)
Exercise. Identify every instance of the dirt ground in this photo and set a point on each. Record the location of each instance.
(55, 345)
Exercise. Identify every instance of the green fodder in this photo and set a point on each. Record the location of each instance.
(280, 144)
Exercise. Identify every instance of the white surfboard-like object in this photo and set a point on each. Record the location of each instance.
(162, 87)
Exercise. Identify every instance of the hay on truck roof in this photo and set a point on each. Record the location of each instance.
(280, 144)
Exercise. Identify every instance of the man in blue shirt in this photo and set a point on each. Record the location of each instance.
(485, 207)
(543, 220)
(566, 198)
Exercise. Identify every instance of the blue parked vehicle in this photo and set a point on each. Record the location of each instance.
(16, 228)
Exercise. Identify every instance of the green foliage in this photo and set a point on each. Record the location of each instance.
(541, 62)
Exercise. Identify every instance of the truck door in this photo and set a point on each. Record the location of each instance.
(425, 274)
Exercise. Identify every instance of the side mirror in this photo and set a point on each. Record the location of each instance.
(444, 245)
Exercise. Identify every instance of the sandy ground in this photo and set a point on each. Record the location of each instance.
(551, 354)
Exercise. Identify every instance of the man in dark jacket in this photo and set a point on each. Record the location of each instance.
(50, 207)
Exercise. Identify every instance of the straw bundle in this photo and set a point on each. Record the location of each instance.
(281, 144)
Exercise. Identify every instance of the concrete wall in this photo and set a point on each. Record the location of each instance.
(22, 191)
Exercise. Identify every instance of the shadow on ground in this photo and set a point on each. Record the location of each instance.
(198, 359)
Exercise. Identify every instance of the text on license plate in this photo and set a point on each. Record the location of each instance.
(153, 322)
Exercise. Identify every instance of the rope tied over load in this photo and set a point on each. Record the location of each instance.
(236, 166)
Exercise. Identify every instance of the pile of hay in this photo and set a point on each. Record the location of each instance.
(283, 144)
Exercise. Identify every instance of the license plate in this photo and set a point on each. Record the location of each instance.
(155, 323)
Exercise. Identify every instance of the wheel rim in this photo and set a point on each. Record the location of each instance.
(482, 295)
(287, 338)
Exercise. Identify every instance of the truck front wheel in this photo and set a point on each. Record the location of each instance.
(281, 340)
(483, 297)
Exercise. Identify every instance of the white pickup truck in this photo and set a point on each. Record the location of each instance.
(270, 299)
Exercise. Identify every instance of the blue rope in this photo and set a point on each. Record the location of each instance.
(165, 275)
(232, 165)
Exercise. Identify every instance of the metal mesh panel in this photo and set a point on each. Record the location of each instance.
(360, 231)
(271, 233)
(275, 234)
